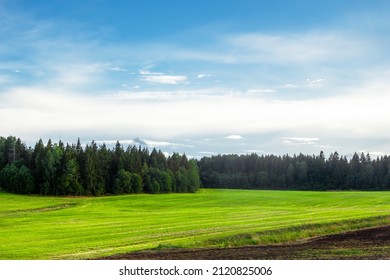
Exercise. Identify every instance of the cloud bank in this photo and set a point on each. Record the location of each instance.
(38, 111)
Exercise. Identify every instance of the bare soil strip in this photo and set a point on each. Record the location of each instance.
(371, 244)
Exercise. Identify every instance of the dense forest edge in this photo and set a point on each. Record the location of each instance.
(297, 172)
(71, 169)
(59, 169)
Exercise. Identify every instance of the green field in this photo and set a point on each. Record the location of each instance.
(34, 227)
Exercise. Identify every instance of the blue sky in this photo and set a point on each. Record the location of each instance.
(201, 77)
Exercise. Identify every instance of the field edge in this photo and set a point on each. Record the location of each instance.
(286, 237)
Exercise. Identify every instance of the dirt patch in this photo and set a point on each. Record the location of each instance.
(371, 243)
(43, 209)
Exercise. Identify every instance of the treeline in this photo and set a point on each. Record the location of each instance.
(71, 169)
(59, 169)
(296, 172)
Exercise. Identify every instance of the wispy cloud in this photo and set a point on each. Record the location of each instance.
(327, 146)
(298, 48)
(315, 83)
(117, 69)
(260, 91)
(208, 153)
(161, 78)
(201, 76)
(178, 95)
(76, 74)
(234, 137)
(159, 144)
(300, 140)
(146, 72)
(165, 79)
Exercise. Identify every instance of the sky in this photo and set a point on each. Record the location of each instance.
(198, 77)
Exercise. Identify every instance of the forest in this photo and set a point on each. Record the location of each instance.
(71, 169)
(300, 172)
(91, 170)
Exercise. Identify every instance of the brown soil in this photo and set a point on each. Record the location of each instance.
(372, 244)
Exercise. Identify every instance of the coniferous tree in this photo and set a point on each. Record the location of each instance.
(193, 176)
(3, 159)
(52, 168)
(93, 180)
(104, 158)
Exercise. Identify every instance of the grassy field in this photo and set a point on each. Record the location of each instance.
(33, 227)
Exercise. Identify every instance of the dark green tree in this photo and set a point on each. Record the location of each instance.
(17, 180)
(122, 182)
(52, 168)
(136, 183)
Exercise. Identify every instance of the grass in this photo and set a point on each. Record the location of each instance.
(294, 234)
(34, 227)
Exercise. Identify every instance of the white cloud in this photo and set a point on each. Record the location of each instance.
(161, 78)
(201, 76)
(356, 114)
(310, 47)
(315, 83)
(158, 144)
(260, 91)
(208, 153)
(117, 69)
(65, 111)
(165, 79)
(148, 72)
(327, 146)
(299, 140)
(174, 95)
(234, 137)
(69, 74)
